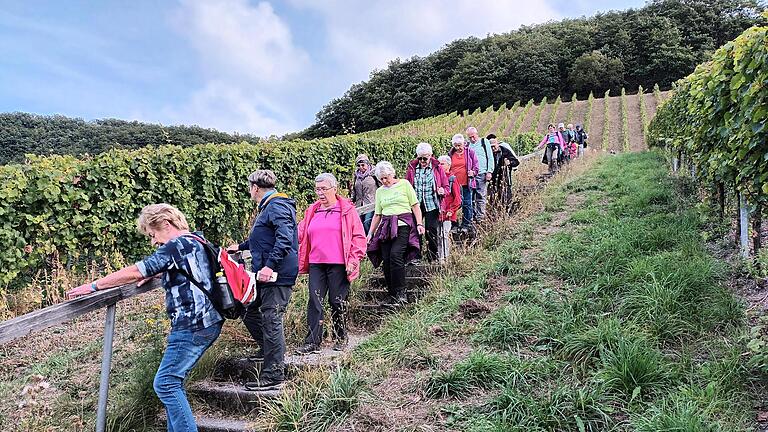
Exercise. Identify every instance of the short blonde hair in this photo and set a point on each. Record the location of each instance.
(153, 215)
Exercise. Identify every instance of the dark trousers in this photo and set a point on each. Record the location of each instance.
(467, 211)
(264, 320)
(553, 157)
(328, 279)
(430, 227)
(393, 253)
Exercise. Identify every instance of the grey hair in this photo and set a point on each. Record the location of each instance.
(457, 139)
(264, 179)
(444, 159)
(423, 149)
(471, 129)
(330, 178)
(384, 168)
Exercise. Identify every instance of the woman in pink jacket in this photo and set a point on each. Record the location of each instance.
(555, 144)
(331, 244)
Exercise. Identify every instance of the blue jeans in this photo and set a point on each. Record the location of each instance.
(467, 211)
(185, 347)
(367, 218)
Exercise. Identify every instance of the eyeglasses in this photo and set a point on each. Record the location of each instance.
(423, 158)
(322, 189)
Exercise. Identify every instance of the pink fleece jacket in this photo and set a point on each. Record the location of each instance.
(352, 238)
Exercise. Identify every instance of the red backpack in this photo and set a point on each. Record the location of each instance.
(232, 286)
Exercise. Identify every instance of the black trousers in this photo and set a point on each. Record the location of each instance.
(264, 320)
(430, 227)
(328, 279)
(393, 254)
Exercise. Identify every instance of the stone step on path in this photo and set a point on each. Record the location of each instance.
(231, 405)
(232, 397)
(242, 370)
(213, 424)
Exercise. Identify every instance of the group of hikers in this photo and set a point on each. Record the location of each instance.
(562, 145)
(328, 244)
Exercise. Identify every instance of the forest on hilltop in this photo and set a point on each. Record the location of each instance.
(658, 43)
(22, 133)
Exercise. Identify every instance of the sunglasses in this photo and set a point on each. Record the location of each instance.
(422, 158)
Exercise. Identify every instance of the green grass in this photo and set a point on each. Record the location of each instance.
(626, 311)
(511, 326)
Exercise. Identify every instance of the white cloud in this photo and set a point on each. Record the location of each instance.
(249, 61)
(226, 108)
(240, 41)
(368, 34)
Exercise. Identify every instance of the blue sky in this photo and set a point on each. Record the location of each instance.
(245, 66)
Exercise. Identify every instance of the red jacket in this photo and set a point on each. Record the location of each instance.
(352, 238)
(451, 202)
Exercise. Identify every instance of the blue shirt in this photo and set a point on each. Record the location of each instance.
(187, 307)
(484, 152)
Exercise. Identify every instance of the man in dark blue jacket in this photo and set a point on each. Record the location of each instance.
(274, 253)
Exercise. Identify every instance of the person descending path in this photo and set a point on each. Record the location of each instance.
(395, 230)
(555, 145)
(331, 245)
(485, 166)
(273, 244)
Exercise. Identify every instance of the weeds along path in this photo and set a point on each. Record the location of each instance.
(598, 309)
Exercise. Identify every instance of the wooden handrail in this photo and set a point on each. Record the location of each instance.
(59, 313)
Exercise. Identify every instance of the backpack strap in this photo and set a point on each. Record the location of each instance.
(485, 150)
(189, 277)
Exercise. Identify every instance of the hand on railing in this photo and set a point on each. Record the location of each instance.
(82, 290)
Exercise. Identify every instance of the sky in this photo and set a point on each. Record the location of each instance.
(247, 66)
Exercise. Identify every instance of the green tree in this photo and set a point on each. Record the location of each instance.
(596, 72)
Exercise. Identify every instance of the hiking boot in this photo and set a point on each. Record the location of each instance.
(340, 345)
(308, 349)
(257, 356)
(263, 384)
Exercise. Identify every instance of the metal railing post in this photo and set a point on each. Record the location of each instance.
(106, 363)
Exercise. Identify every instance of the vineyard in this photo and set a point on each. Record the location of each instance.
(715, 123)
(613, 123)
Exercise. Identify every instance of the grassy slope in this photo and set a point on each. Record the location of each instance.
(612, 317)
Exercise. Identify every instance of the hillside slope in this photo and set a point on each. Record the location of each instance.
(507, 122)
